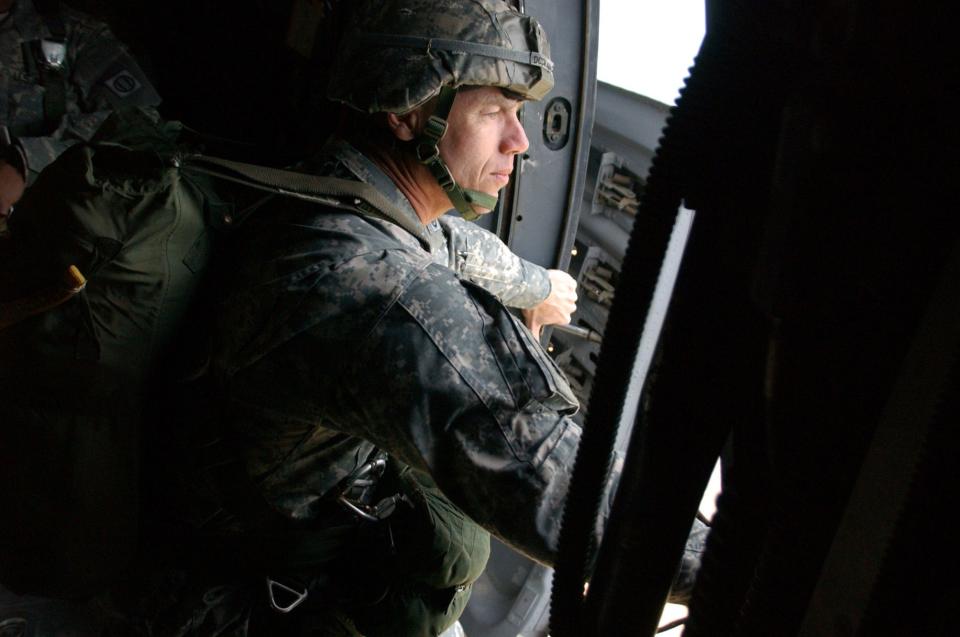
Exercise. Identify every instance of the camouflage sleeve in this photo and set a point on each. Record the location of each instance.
(103, 77)
(450, 382)
(40, 152)
(481, 257)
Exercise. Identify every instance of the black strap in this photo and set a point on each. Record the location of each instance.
(53, 79)
(54, 96)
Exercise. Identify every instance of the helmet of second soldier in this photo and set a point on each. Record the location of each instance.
(398, 54)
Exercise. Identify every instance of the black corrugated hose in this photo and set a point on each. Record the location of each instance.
(679, 173)
(660, 201)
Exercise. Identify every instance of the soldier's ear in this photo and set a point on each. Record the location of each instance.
(404, 127)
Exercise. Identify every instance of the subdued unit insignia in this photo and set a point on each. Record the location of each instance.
(123, 84)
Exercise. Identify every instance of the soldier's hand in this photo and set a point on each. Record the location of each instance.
(557, 307)
(11, 187)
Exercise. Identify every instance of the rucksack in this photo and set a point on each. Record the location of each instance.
(122, 216)
(132, 221)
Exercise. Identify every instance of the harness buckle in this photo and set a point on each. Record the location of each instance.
(438, 169)
(364, 479)
(433, 132)
(435, 129)
(427, 152)
(284, 598)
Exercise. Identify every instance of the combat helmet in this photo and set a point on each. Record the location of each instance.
(399, 54)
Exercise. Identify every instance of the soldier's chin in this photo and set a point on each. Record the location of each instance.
(480, 210)
(496, 194)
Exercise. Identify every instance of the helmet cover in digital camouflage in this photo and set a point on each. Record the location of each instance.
(398, 54)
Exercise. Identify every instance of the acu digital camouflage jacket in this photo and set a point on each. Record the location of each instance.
(344, 332)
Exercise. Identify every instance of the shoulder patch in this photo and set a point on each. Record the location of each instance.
(123, 83)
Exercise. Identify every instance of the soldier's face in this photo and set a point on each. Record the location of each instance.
(483, 135)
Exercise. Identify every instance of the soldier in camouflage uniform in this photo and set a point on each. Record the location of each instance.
(347, 334)
(546, 296)
(61, 74)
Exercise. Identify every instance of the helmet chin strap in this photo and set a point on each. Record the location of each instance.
(428, 153)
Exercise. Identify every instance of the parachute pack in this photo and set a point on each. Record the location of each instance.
(108, 257)
(132, 233)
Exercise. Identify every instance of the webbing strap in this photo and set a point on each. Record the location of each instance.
(53, 79)
(54, 96)
(481, 199)
(330, 191)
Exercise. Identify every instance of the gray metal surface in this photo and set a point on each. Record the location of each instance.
(546, 201)
(511, 598)
(629, 125)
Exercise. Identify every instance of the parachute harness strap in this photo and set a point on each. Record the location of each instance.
(428, 153)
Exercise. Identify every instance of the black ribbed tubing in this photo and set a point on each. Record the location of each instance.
(638, 277)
